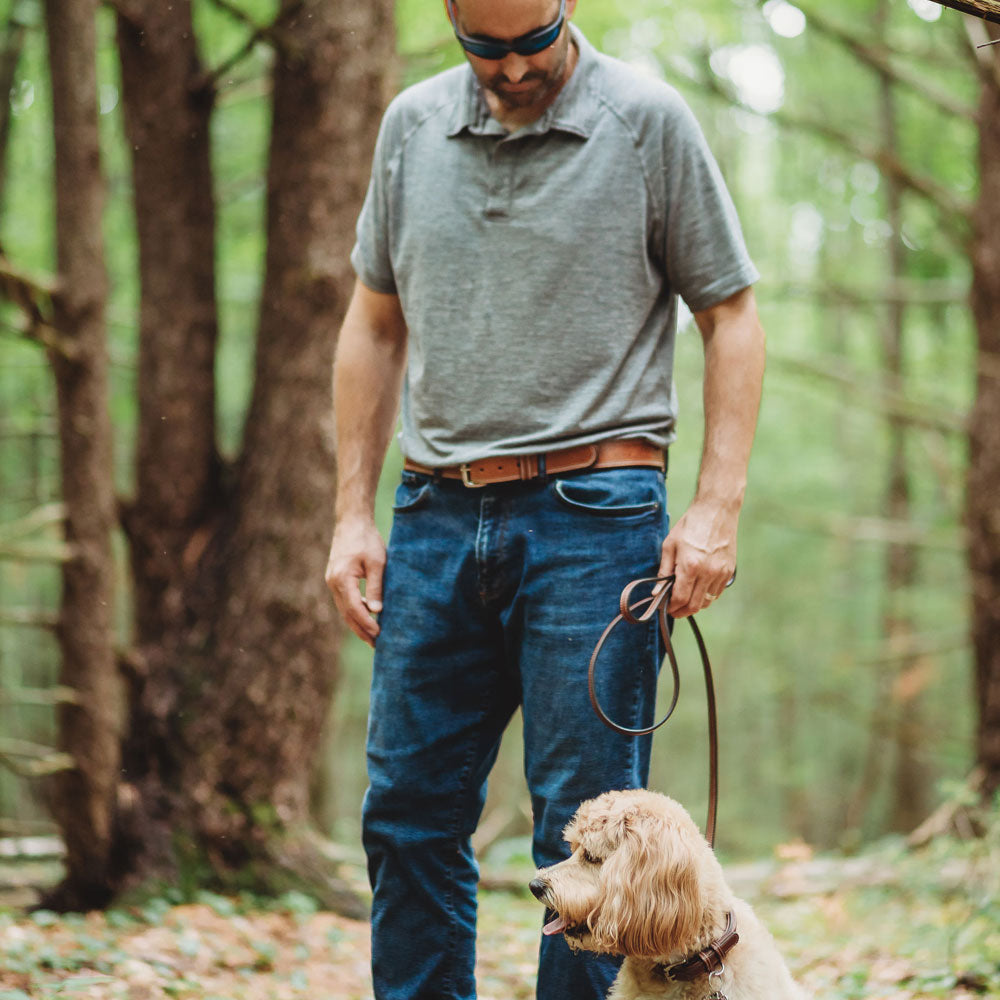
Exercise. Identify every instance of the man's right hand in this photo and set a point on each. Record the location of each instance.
(357, 554)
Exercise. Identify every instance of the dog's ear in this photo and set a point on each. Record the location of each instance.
(651, 899)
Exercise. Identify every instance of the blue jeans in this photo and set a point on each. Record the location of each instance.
(494, 599)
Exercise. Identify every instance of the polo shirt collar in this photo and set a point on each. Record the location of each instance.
(574, 110)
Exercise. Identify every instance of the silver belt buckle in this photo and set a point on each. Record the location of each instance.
(467, 479)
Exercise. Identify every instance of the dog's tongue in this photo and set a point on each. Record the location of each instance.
(556, 926)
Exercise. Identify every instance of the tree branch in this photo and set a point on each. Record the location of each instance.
(928, 644)
(237, 13)
(268, 33)
(893, 400)
(881, 59)
(956, 213)
(126, 11)
(986, 63)
(40, 518)
(32, 760)
(988, 10)
(52, 552)
(25, 290)
(33, 297)
(28, 618)
(39, 696)
(880, 530)
(21, 828)
(914, 293)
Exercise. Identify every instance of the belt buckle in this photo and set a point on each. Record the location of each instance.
(467, 479)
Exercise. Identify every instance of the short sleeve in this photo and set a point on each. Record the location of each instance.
(371, 256)
(704, 251)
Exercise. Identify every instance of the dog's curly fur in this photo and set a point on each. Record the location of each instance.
(643, 882)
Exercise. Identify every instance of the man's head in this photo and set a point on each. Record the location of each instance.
(530, 40)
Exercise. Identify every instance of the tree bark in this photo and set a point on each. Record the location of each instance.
(10, 56)
(83, 798)
(277, 629)
(983, 487)
(177, 505)
(237, 641)
(167, 107)
(989, 10)
(909, 789)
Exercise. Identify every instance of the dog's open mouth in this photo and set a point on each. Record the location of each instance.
(560, 925)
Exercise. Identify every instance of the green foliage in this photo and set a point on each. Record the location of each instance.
(809, 690)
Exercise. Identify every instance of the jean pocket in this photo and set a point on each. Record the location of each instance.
(411, 494)
(618, 493)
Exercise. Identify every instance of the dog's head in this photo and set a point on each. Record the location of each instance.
(635, 883)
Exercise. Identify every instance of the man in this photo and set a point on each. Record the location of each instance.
(531, 220)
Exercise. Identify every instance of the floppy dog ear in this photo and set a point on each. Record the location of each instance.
(651, 898)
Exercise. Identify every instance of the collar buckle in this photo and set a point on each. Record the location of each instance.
(709, 962)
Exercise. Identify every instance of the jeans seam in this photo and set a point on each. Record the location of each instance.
(482, 544)
(464, 789)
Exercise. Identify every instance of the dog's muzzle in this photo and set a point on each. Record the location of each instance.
(558, 924)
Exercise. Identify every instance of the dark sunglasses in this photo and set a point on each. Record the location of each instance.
(495, 48)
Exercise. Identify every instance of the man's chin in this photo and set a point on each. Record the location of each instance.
(519, 97)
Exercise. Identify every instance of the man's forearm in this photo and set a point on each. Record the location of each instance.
(700, 551)
(734, 371)
(367, 375)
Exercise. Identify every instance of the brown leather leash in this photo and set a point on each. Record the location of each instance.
(656, 605)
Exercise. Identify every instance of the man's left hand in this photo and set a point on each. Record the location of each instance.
(700, 552)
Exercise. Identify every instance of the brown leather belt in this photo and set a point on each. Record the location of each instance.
(617, 454)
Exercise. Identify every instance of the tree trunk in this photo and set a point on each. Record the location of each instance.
(167, 106)
(83, 798)
(983, 488)
(237, 641)
(10, 56)
(277, 631)
(908, 796)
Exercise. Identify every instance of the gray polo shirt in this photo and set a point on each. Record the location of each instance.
(539, 271)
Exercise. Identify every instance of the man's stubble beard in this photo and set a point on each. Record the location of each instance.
(547, 83)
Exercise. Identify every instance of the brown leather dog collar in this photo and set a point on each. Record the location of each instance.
(705, 962)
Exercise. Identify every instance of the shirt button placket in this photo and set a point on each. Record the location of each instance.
(499, 183)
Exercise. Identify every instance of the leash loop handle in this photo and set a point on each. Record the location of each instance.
(638, 612)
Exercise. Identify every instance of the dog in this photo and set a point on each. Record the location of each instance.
(643, 882)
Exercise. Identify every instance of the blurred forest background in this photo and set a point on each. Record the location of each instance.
(186, 700)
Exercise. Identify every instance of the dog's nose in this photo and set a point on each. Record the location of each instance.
(537, 887)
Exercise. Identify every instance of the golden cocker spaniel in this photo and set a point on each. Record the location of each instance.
(642, 882)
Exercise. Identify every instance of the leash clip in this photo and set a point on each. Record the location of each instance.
(716, 994)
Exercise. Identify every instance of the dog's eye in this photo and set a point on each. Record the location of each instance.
(590, 858)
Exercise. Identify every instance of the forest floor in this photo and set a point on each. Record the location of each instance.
(891, 923)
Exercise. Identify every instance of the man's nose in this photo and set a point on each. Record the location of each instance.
(537, 887)
(514, 67)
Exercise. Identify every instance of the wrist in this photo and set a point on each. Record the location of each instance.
(727, 499)
(355, 499)
(354, 515)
